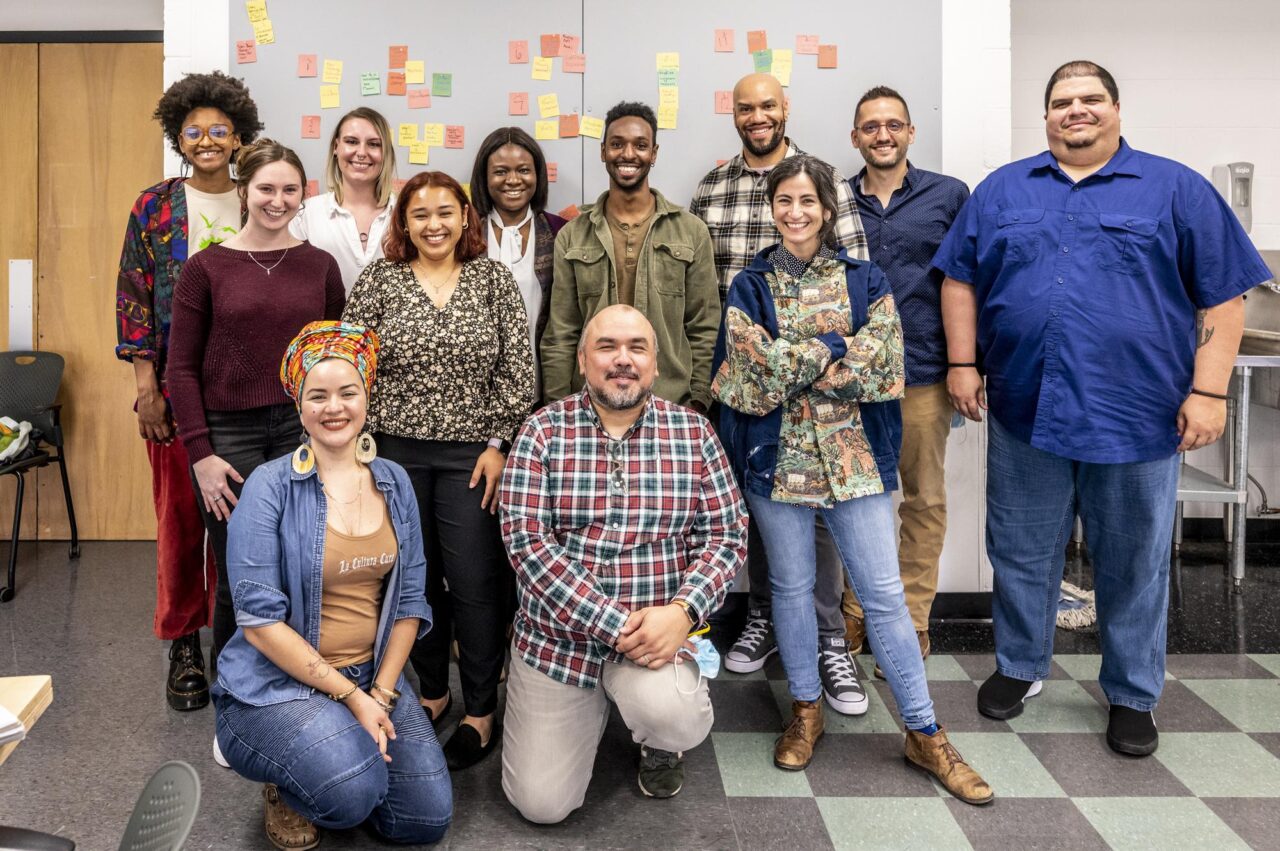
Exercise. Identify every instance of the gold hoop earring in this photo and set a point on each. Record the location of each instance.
(304, 460)
(366, 448)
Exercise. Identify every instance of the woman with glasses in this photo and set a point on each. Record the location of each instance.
(205, 118)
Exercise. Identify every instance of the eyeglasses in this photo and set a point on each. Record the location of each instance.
(217, 132)
(616, 467)
(872, 128)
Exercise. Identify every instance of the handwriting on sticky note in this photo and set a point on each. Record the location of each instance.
(311, 127)
(544, 130)
(569, 125)
(548, 106)
(419, 98)
(246, 51)
(757, 40)
(668, 77)
(762, 60)
(826, 56)
(395, 82)
(455, 136)
(553, 172)
(518, 103)
(724, 41)
(312, 190)
(569, 44)
(306, 64)
(433, 135)
(442, 85)
(668, 60)
(574, 63)
(667, 117)
(724, 103)
(590, 126)
(782, 64)
(407, 134)
(332, 71)
(256, 9)
(328, 97)
(397, 54)
(263, 33)
(668, 97)
(517, 52)
(370, 83)
(419, 154)
(415, 72)
(807, 45)
(541, 68)
(549, 44)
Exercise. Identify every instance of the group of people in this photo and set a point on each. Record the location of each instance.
(535, 444)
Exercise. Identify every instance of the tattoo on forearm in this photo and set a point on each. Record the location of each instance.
(1204, 333)
(318, 667)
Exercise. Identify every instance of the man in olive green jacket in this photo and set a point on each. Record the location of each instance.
(634, 247)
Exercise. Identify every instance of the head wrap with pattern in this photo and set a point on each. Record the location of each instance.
(355, 344)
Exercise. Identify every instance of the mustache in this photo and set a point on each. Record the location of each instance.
(622, 373)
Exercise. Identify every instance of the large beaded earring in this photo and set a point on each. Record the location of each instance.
(304, 460)
(366, 449)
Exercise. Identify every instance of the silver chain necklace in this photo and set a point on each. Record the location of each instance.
(267, 269)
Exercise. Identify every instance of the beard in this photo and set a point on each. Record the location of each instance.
(619, 400)
(768, 146)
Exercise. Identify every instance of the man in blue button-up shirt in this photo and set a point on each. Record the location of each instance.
(1102, 288)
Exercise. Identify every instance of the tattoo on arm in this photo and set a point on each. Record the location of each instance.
(1203, 333)
(318, 667)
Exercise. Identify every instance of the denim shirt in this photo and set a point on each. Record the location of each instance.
(275, 564)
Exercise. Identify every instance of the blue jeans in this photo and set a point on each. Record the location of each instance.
(865, 539)
(329, 769)
(1127, 511)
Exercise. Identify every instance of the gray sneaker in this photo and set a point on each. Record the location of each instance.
(754, 646)
(840, 677)
(661, 772)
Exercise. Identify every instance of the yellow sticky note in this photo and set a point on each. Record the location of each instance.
(408, 134)
(466, 189)
(332, 71)
(257, 9)
(593, 127)
(668, 60)
(782, 64)
(668, 97)
(542, 68)
(433, 134)
(415, 71)
(263, 33)
(328, 97)
(418, 153)
(549, 129)
(548, 105)
(667, 117)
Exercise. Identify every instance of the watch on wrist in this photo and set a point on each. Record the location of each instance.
(503, 446)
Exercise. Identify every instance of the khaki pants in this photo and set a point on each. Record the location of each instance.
(551, 730)
(926, 422)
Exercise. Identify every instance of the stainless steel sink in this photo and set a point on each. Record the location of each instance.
(1262, 334)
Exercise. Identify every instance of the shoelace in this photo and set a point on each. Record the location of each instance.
(654, 758)
(753, 634)
(184, 653)
(840, 666)
(952, 755)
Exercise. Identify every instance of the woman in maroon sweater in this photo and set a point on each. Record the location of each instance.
(235, 309)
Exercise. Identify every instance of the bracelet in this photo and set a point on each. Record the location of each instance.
(1210, 395)
(962, 365)
(386, 707)
(391, 694)
(341, 697)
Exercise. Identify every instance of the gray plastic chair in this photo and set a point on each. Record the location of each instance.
(165, 811)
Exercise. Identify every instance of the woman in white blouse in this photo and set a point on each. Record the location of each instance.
(350, 220)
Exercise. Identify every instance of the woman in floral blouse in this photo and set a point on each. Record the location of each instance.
(810, 371)
(456, 379)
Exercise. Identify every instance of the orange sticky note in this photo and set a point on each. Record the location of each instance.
(574, 63)
(826, 56)
(306, 64)
(807, 44)
(569, 44)
(396, 55)
(518, 103)
(757, 40)
(246, 51)
(398, 183)
(311, 127)
(550, 45)
(569, 126)
(517, 52)
(313, 189)
(454, 135)
(724, 103)
(724, 41)
(569, 213)
(720, 163)
(395, 83)
(419, 98)
(553, 172)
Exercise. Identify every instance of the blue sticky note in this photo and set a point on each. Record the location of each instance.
(763, 60)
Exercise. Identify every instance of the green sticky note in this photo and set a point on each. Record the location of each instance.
(668, 77)
(370, 83)
(441, 85)
(763, 60)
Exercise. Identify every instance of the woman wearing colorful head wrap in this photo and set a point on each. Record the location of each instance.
(326, 567)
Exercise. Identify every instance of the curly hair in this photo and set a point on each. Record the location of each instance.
(215, 90)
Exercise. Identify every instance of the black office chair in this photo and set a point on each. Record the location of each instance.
(29, 384)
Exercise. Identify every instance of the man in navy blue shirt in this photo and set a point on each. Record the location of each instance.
(1102, 287)
(906, 212)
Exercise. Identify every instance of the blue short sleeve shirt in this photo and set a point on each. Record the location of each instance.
(1087, 297)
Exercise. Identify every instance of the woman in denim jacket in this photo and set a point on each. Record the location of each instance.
(327, 576)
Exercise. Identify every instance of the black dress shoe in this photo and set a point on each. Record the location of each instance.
(1132, 732)
(464, 750)
(187, 687)
(1001, 697)
(437, 718)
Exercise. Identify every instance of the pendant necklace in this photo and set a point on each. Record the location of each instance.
(268, 269)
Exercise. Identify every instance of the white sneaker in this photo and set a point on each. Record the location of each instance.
(217, 754)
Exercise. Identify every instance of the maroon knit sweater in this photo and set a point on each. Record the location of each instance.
(231, 325)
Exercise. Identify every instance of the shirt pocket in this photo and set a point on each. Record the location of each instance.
(590, 273)
(1018, 235)
(671, 261)
(1126, 242)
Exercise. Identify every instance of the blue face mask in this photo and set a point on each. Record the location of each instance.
(706, 657)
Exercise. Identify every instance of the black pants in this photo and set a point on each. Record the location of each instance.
(245, 440)
(467, 570)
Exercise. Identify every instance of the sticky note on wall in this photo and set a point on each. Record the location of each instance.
(370, 83)
(668, 60)
(246, 51)
(549, 44)
(553, 172)
(419, 98)
(591, 126)
(517, 52)
(544, 130)
(541, 68)
(724, 103)
(667, 117)
(569, 44)
(518, 103)
(574, 63)
(306, 64)
(455, 136)
(419, 154)
(548, 106)
(668, 97)
(396, 55)
(441, 85)
(256, 10)
(332, 71)
(433, 135)
(568, 126)
(406, 134)
(329, 97)
(807, 45)
(263, 33)
(762, 60)
(311, 127)
(724, 41)
(395, 83)
(415, 72)
(826, 56)
(757, 40)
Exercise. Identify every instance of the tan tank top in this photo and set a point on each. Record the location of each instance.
(354, 568)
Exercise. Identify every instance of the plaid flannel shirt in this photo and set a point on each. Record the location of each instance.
(731, 200)
(598, 527)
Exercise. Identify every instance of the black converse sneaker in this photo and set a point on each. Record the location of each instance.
(840, 677)
(754, 646)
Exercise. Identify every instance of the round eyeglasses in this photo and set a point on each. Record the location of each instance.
(217, 132)
(872, 128)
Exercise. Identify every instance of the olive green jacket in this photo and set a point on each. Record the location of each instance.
(676, 289)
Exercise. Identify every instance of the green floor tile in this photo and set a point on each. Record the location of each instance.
(1007, 764)
(1220, 765)
(1165, 823)
(1252, 705)
(891, 823)
(1063, 706)
(1270, 661)
(747, 769)
(1081, 666)
(877, 719)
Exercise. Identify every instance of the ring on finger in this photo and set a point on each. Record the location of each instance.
(219, 498)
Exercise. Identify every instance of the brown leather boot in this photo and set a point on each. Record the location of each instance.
(794, 748)
(286, 829)
(937, 756)
(855, 632)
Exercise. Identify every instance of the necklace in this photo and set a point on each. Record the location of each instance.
(337, 503)
(436, 288)
(268, 269)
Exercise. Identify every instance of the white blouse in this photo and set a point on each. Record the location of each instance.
(326, 225)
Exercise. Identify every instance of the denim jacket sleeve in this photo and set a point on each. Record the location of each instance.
(413, 561)
(254, 554)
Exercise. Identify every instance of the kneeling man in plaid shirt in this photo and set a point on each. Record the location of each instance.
(625, 528)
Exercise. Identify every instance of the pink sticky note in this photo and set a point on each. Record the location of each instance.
(826, 56)
(396, 55)
(569, 44)
(807, 44)
(454, 135)
(724, 103)
(517, 52)
(311, 127)
(718, 164)
(569, 126)
(398, 183)
(313, 189)
(552, 172)
(419, 98)
(574, 63)
(518, 103)
(246, 51)
(724, 41)
(757, 40)
(550, 44)
(395, 83)
(306, 65)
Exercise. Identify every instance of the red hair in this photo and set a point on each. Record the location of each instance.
(397, 245)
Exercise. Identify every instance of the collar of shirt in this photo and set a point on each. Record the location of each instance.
(334, 209)
(1123, 161)
(646, 418)
(909, 180)
(783, 260)
(738, 163)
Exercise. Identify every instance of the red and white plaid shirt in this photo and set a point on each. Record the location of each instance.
(598, 527)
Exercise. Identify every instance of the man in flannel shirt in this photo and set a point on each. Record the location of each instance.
(625, 528)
